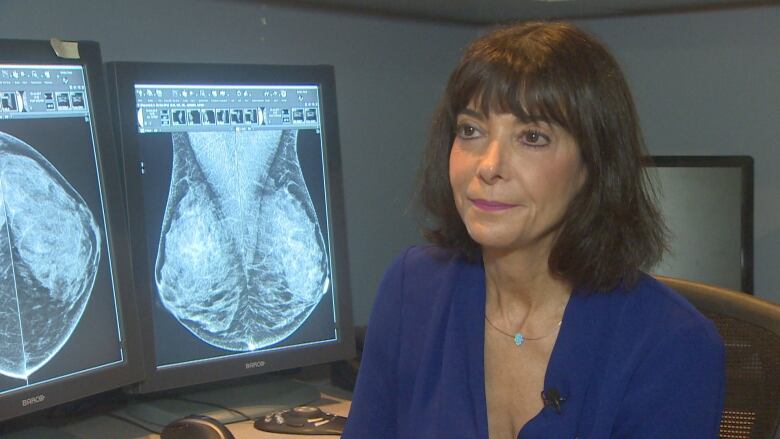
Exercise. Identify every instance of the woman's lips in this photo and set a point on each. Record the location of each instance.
(491, 206)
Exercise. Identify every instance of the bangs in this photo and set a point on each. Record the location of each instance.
(532, 92)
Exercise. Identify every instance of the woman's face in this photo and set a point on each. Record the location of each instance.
(513, 181)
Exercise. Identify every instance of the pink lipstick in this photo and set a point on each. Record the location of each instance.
(491, 206)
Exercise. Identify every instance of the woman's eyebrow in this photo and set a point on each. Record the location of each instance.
(471, 113)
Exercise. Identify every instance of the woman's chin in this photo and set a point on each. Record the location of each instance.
(492, 239)
(510, 241)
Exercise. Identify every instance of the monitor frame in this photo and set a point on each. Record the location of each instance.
(745, 165)
(85, 384)
(123, 76)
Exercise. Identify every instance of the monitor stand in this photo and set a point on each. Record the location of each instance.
(253, 399)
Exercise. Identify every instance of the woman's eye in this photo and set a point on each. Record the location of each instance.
(466, 131)
(535, 138)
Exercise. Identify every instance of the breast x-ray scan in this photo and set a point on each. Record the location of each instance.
(241, 261)
(235, 221)
(49, 253)
(56, 285)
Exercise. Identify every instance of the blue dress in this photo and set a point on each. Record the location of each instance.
(630, 364)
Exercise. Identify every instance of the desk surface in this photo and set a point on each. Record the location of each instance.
(106, 427)
(332, 400)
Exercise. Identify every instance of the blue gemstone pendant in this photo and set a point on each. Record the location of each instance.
(519, 339)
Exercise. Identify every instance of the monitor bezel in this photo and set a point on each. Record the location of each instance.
(745, 164)
(86, 384)
(123, 77)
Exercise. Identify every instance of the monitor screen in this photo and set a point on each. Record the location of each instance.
(62, 321)
(707, 202)
(236, 215)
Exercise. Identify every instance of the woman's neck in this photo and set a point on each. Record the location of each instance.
(521, 290)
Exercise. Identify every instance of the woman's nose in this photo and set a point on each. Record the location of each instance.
(492, 162)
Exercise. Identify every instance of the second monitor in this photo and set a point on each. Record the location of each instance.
(235, 207)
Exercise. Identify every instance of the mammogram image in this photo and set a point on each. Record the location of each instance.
(49, 254)
(241, 261)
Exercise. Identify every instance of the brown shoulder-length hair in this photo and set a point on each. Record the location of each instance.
(557, 73)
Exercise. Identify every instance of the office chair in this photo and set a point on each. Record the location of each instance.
(750, 328)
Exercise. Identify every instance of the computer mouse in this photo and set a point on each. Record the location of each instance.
(196, 427)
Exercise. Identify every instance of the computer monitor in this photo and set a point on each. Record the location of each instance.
(707, 202)
(67, 323)
(233, 182)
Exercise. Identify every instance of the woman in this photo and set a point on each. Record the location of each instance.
(529, 317)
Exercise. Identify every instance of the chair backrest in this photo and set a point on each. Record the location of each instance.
(750, 328)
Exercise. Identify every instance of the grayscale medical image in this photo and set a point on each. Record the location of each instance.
(241, 261)
(49, 254)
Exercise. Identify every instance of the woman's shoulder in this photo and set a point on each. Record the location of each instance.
(431, 254)
(425, 274)
(427, 260)
(662, 312)
(657, 350)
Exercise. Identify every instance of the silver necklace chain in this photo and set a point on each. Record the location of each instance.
(520, 338)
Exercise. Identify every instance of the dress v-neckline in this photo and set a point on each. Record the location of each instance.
(476, 352)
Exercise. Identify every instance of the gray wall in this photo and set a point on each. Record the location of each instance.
(709, 83)
(389, 75)
(705, 83)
